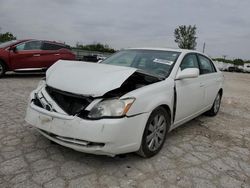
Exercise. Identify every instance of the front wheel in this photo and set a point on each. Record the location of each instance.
(155, 133)
(2, 69)
(216, 106)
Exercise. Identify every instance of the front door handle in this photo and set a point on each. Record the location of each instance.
(218, 80)
(36, 55)
(57, 54)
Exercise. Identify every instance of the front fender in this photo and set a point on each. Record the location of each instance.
(150, 97)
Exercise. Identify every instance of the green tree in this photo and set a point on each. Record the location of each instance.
(185, 37)
(4, 37)
(238, 62)
(224, 60)
(95, 47)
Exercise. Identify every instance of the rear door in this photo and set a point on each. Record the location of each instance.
(50, 53)
(67, 54)
(190, 93)
(26, 55)
(211, 77)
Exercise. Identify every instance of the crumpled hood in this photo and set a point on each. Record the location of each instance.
(86, 78)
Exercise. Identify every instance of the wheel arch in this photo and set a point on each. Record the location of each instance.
(5, 64)
(221, 92)
(162, 107)
(169, 113)
(166, 107)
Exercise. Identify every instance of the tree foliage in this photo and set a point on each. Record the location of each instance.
(237, 61)
(96, 47)
(185, 37)
(4, 37)
(223, 60)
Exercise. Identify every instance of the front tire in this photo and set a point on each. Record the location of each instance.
(155, 132)
(216, 106)
(2, 69)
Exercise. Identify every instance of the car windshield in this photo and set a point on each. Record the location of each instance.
(154, 62)
(8, 43)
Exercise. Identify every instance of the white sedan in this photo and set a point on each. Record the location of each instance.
(127, 103)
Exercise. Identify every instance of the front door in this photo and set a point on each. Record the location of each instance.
(26, 55)
(190, 93)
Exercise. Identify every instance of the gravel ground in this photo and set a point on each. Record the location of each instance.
(206, 152)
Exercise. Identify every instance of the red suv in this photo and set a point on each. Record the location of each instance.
(24, 55)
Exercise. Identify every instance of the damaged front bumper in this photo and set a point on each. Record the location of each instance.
(104, 136)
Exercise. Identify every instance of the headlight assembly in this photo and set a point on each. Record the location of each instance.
(41, 84)
(111, 108)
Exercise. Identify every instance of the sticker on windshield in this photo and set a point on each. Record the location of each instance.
(163, 61)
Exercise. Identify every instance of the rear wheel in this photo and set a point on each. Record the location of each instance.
(216, 106)
(2, 69)
(155, 133)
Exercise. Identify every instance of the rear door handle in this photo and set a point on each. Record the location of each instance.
(57, 54)
(36, 55)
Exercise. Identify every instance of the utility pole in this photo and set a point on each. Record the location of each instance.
(204, 46)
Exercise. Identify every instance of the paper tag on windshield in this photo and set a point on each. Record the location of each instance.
(163, 61)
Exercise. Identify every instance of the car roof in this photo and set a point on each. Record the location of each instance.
(166, 49)
(54, 42)
(59, 43)
(23, 40)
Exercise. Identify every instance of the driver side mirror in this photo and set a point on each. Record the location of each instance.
(187, 73)
(13, 48)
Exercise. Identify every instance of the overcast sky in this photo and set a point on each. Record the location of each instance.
(223, 24)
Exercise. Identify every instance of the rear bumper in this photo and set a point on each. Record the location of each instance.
(104, 137)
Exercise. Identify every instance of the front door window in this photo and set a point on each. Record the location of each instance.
(31, 45)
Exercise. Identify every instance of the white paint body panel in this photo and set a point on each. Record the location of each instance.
(120, 135)
(87, 78)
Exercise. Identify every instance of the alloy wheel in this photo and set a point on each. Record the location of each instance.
(217, 103)
(156, 132)
(1, 69)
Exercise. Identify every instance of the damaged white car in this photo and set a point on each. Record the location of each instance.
(127, 103)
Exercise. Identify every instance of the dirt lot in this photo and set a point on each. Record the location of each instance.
(206, 152)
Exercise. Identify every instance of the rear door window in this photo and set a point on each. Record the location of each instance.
(51, 46)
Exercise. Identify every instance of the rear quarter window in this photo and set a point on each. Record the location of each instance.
(51, 46)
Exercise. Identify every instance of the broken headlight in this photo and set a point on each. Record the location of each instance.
(41, 84)
(111, 108)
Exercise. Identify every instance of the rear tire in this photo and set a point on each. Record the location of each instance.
(155, 132)
(216, 106)
(2, 69)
